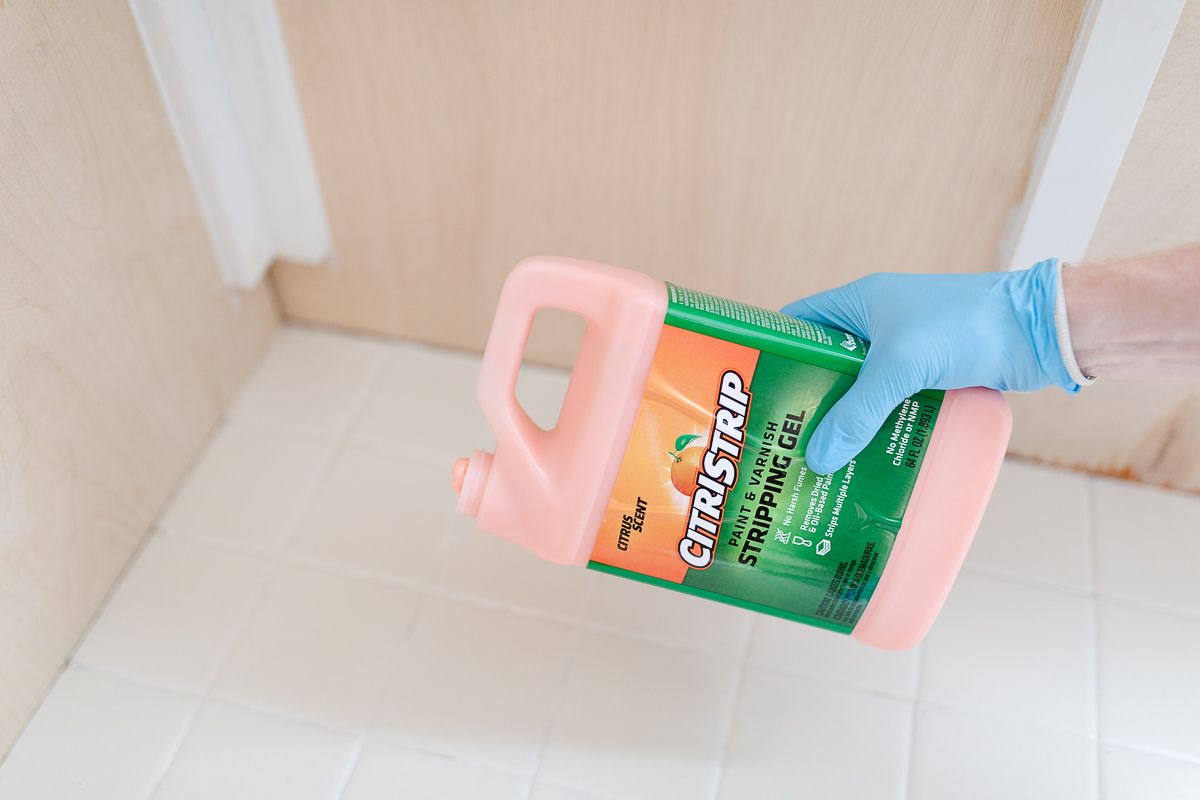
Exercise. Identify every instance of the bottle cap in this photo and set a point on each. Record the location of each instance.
(470, 476)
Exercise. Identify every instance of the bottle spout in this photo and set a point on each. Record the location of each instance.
(470, 476)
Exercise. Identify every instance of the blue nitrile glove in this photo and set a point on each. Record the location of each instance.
(994, 329)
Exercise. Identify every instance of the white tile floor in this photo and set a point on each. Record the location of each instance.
(310, 620)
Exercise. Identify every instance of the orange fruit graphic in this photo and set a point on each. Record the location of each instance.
(683, 471)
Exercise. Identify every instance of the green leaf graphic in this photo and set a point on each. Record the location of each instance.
(685, 440)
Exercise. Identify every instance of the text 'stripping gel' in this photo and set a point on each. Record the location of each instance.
(713, 496)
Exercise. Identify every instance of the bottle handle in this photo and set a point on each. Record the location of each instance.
(579, 287)
(543, 489)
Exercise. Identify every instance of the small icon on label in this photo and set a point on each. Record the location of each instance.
(823, 547)
(849, 343)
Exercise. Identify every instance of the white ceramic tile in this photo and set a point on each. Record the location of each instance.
(1147, 545)
(1014, 651)
(174, 615)
(639, 721)
(388, 772)
(550, 791)
(483, 566)
(234, 753)
(319, 646)
(310, 380)
(248, 487)
(832, 657)
(1135, 775)
(1036, 527)
(668, 618)
(794, 737)
(477, 684)
(424, 399)
(95, 738)
(958, 755)
(380, 514)
(1149, 680)
(464, 694)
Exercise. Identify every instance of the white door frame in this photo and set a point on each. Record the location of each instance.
(1113, 65)
(223, 71)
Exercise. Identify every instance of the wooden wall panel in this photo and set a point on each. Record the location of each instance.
(759, 150)
(119, 346)
(1143, 430)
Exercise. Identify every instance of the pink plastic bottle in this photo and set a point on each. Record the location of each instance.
(678, 458)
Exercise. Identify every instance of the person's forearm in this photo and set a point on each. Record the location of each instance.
(1136, 317)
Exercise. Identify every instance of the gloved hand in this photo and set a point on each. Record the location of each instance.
(994, 329)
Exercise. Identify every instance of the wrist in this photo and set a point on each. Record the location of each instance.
(1136, 317)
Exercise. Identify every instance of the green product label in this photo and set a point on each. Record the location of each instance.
(713, 496)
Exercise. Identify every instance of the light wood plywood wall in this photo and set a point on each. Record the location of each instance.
(1146, 430)
(760, 150)
(119, 346)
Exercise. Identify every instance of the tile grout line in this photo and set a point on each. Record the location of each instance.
(1093, 558)
(416, 586)
(344, 442)
(71, 658)
(573, 652)
(1165, 755)
(491, 604)
(360, 745)
(176, 746)
(1028, 583)
(1147, 608)
(436, 458)
(739, 679)
(992, 717)
(275, 714)
(589, 628)
(580, 626)
(1090, 594)
(199, 700)
(906, 784)
(206, 691)
(360, 737)
(152, 530)
(276, 561)
(369, 727)
(1078, 593)
(276, 557)
(402, 744)
(195, 701)
(340, 441)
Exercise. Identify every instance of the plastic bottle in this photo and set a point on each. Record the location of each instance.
(678, 458)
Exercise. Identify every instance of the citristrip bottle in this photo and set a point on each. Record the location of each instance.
(678, 458)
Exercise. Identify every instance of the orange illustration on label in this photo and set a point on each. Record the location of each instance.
(682, 459)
